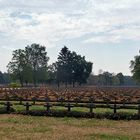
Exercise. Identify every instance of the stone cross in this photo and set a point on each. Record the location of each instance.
(27, 105)
(69, 106)
(48, 106)
(8, 106)
(77, 99)
(20, 100)
(115, 107)
(34, 100)
(61, 99)
(139, 107)
(107, 100)
(91, 105)
(47, 99)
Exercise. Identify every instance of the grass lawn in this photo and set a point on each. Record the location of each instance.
(78, 109)
(18, 127)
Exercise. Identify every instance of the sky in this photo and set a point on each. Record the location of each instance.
(106, 32)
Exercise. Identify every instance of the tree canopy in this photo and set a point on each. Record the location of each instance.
(29, 64)
(135, 68)
(72, 68)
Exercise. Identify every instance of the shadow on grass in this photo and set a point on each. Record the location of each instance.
(62, 112)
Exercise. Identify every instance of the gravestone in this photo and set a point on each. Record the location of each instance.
(77, 100)
(115, 107)
(20, 100)
(61, 100)
(91, 105)
(34, 100)
(69, 106)
(107, 100)
(27, 105)
(48, 106)
(8, 106)
(139, 107)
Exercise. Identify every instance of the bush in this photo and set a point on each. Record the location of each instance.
(14, 85)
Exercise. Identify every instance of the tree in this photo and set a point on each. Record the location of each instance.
(63, 71)
(106, 78)
(120, 78)
(2, 80)
(17, 64)
(7, 78)
(72, 67)
(37, 58)
(135, 68)
(81, 69)
(27, 74)
(29, 65)
(52, 73)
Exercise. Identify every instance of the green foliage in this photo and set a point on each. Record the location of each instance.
(120, 78)
(17, 64)
(135, 68)
(2, 80)
(52, 73)
(107, 79)
(29, 65)
(72, 67)
(14, 85)
(37, 58)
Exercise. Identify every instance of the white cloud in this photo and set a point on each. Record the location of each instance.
(51, 22)
(68, 20)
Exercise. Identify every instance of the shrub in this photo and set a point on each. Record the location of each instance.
(14, 85)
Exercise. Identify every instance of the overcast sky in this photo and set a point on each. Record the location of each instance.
(107, 32)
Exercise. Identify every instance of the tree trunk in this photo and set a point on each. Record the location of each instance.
(58, 84)
(20, 79)
(73, 84)
(34, 77)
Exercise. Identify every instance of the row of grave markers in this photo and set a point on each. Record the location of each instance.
(68, 105)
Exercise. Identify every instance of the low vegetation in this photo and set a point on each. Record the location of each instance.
(26, 127)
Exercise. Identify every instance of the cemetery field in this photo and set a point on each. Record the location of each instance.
(49, 128)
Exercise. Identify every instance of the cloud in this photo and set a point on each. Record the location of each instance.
(48, 22)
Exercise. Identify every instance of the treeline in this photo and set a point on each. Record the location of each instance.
(111, 79)
(30, 66)
(4, 78)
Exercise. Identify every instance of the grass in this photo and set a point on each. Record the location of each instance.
(49, 128)
(78, 109)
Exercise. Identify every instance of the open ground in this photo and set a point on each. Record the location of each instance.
(29, 127)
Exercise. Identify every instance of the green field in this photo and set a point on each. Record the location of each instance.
(15, 127)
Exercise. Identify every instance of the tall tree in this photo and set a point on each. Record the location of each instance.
(29, 64)
(72, 67)
(2, 80)
(17, 64)
(106, 78)
(135, 68)
(52, 73)
(37, 57)
(120, 78)
(63, 71)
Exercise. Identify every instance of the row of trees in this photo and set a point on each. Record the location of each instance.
(108, 79)
(30, 65)
(4, 78)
